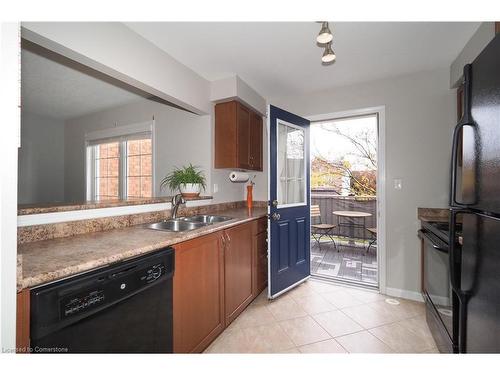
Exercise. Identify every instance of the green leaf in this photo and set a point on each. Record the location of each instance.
(184, 175)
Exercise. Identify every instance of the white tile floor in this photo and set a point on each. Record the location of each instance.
(320, 317)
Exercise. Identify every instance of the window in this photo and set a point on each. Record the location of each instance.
(291, 187)
(139, 174)
(120, 166)
(107, 165)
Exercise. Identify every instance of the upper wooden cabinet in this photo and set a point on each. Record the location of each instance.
(238, 137)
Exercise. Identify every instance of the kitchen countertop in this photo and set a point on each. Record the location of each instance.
(50, 260)
(433, 214)
(43, 208)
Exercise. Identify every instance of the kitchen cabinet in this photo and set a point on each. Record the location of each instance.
(238, 137)
(259, 255)
(238, 267)
(198, 293)
(216, 277)
(256, 142)
(23, 321)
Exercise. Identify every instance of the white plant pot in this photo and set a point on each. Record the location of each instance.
(190, 190)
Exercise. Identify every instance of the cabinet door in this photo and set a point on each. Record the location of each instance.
(238, 270)
(261, 269)
(259, 255)
(243, 141)
(198, 293)
(255, 158)
(226, 135)
(23, 321)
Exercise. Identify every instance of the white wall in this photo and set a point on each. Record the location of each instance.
(181, 138)
(420, 115)
(235, 88)
(484, 34)
(114, 49)
(10, 72)
(41, 159)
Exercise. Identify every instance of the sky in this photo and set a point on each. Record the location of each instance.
(332, 146)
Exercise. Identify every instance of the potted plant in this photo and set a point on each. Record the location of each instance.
(188, 180)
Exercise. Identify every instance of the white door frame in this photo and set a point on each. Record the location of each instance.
(381, 181)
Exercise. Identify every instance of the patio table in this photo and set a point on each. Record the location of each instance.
(352, 216)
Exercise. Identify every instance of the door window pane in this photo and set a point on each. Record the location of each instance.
(290, 165)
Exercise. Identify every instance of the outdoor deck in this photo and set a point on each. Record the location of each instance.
(350, 263)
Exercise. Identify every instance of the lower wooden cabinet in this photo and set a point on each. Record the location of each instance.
(259, 234)
(238, 278)
(198, 293)
(23, 321)
(216, 277)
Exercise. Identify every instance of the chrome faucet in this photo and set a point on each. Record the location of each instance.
(177, 200)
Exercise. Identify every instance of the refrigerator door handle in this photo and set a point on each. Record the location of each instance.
(454, 165)
(466, 120)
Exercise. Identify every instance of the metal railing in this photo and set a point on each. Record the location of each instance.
(330, 201)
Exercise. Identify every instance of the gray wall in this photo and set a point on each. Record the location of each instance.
(181, 138)
(420, 115)
(41, 160)
(484, 34)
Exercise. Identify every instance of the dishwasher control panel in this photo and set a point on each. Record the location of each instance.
(153, 273)
(83, 302)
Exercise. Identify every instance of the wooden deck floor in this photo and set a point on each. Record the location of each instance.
(350, 263)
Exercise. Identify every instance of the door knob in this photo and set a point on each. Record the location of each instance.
(276, 216)
(275, 203)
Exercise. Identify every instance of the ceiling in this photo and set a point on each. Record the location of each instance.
(63, 91)
(282, 58)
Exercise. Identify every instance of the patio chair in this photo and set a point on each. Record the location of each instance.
(320, 230)
(373, 232)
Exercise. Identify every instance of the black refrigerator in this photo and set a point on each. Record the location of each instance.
(475, 265)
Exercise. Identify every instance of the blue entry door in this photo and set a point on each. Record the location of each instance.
(289, 200)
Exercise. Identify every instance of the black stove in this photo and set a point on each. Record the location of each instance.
(441, 230)
(441, 301)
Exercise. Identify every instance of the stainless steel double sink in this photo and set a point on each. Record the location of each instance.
(183, 224)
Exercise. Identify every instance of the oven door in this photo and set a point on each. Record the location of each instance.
(437, 283)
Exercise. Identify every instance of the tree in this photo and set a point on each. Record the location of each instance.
(362, 182)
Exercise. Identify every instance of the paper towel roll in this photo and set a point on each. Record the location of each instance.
(235, 176)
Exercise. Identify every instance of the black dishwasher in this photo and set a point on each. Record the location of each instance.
(121, 308)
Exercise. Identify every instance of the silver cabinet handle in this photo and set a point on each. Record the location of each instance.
(276, 216)
(228, 239)
(223, 239)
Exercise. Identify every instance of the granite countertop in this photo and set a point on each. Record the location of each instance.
(42, 208)
(44, 261)
(433, 214)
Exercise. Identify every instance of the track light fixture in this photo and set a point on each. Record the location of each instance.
(325, 38)
(325, 35)
(328, 54)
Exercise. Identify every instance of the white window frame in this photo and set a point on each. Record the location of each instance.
(304, 178)
(121, 134)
